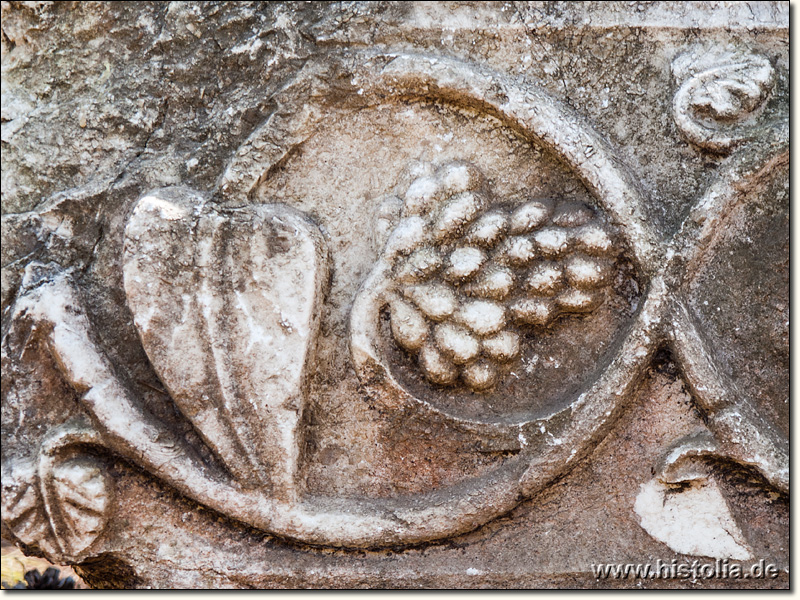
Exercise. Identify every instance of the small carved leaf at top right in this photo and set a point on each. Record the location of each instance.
(740, 91)
(719, 94)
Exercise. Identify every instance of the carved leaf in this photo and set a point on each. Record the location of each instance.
(719, 96)
(738, 89)
(61, 507)
(23, 510)
(79, 501)
(226, 305)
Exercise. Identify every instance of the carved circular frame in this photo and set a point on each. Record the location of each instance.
(530, 112)
(545, 445)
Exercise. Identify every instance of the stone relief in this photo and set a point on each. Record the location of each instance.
(720, 97)
(464, 274)
(229, 289)
(62, 503)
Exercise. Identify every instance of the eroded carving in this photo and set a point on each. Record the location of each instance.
(62, 503)
(225, 301)
(469, 270)
(720, 95)
(694, 520)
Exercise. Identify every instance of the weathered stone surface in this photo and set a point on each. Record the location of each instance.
(397, 294)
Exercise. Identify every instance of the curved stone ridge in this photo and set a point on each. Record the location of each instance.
(471, 274)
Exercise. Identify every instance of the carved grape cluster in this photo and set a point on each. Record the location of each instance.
(468, 274)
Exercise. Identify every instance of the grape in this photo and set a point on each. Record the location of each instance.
(468, 277)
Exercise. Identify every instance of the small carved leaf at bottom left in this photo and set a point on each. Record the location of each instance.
(61, 510)
(79, 500)
(23, 510)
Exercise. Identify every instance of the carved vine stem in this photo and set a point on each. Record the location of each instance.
(126, 427)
